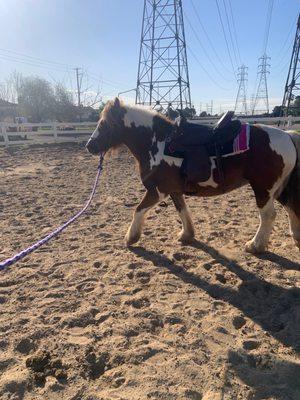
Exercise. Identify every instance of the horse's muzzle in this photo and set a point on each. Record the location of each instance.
(93, 147)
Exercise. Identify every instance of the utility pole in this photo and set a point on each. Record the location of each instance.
(163, 77)
(241, 98)
(292, 85)
(262, 88)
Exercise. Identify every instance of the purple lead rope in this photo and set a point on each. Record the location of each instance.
(57, 231)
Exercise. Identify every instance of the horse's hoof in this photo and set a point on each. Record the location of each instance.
(186, 238)
(130, 240)
(297, 243)
(254, 248)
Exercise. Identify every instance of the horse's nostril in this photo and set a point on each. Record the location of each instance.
(92, 147)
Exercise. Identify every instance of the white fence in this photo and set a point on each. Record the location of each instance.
(285, 123)
(19, 134)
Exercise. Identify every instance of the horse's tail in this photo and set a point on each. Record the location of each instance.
(290, 197)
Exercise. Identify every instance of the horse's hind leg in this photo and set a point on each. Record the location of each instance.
(294, 226)
(267, 217)
(187, 233)
(149, 200)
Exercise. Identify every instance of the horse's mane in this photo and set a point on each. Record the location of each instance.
(132, 109)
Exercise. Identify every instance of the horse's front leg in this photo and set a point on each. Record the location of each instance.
(187, 233)
(260, 241)
(149, 200)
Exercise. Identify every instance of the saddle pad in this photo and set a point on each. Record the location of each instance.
(238, 145)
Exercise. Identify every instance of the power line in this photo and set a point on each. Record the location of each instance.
(208, 37)
(230, 34)
(203, 48)
(283, 57)
(108, 82)
(48, 65)
(283, 69)
(279, 54)
(234, 30)
(204, 69)
(268, 23)
(37, 59)
(225, 37)
(31, 63)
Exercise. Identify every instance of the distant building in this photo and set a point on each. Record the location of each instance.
(8, 111)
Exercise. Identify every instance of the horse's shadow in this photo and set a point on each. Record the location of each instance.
(267, 376)
(280, 260)
(274, 308)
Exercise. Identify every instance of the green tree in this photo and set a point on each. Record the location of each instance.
(188, 112)
(277, 111)
(296, 106)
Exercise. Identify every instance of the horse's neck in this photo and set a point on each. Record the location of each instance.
(139, 117)
(144, 130)
(139, 141)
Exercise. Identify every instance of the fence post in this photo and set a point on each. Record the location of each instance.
(4, 134)
(55, 131)
(289, 121)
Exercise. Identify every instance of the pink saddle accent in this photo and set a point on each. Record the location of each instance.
(241, 142)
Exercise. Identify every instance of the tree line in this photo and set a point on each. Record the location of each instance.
(40, 101)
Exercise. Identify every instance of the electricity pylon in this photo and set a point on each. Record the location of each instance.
(241, 98)
(262, 96)
(163, 78)
(292, 86)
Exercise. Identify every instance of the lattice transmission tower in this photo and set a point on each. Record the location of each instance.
(292, 86)
(261, 97)
(163, 78)
(241, 97)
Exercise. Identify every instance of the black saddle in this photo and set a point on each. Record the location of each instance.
(190, 135)
(195, 142)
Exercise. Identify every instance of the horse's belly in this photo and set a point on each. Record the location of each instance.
(230, 176)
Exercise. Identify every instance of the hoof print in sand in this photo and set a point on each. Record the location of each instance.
(25, 346)
(42, 365)
(250, 344)
(139, 302)
(94, 365)
(238, 322)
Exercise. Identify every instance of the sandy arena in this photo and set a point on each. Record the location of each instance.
(85, 318)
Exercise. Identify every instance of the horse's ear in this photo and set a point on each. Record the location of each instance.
(117, 103)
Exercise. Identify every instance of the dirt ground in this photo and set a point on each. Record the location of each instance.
(86, 318)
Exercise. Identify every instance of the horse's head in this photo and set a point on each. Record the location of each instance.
(108, 133)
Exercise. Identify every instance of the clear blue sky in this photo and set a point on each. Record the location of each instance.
(103, 37)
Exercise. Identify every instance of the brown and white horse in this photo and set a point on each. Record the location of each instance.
(270, 166)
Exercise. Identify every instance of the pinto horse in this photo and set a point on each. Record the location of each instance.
(270, 165)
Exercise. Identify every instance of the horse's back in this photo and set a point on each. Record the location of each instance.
(282, 144)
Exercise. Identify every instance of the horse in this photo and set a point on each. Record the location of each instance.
(270, 165)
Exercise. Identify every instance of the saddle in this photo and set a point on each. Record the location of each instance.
(197, 143)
